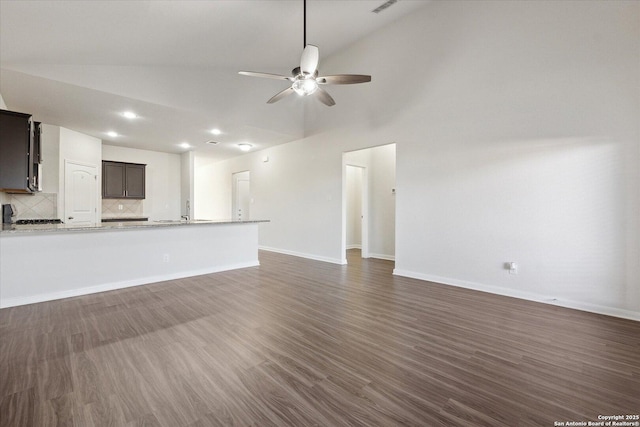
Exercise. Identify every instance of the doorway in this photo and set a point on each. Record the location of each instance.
(241, 196)
(80, 193)
(368, 213)
(357, 202)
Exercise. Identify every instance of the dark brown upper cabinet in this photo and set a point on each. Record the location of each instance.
(123, 180)
(134, 180)
(18, 157)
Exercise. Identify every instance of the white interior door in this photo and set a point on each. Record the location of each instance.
(354, 207)
(357, 209)
(241, 195)
(364, 203)
(80, 194)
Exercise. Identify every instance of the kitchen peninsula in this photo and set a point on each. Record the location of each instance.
(53, 261)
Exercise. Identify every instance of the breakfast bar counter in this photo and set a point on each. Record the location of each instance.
(53, 261)
(111, 225)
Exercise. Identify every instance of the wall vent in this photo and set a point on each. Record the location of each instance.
(384, 6)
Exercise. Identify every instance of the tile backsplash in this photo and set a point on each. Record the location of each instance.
(35, 206)
(45, 206)
(110, 208)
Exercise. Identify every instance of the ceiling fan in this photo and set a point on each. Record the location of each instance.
(304, 79)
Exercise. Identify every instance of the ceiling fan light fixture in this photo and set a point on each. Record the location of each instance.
(305, 79)
(305, 86)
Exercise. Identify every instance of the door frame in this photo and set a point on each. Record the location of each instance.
(98, 181)
(365, 209)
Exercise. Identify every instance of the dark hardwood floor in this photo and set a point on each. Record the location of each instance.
(305, 343)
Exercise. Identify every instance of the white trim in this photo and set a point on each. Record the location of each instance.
(382, 256)
(354, 246)
(304, 255)
(530, 296)
(13, 302)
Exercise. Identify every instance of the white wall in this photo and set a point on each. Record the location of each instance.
(518, 139)
(291, 190)
(162, 179)
(80, 148)
(519, 142)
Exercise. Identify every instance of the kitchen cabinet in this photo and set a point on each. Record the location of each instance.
(18, 158)
(123, 180)
(36, 158)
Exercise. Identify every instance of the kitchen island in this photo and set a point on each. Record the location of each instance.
(53, 261)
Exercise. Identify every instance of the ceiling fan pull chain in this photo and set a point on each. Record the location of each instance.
(304, 24)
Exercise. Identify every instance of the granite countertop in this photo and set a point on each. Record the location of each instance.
(12, 229)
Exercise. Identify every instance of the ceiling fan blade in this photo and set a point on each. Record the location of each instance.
(324, 97)
(343, 79)
(265, 75)
(278, 96)
(309, 59)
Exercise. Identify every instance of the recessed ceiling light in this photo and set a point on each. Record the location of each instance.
(216, 131)
(130, 115)
(185, 145)
(112, 134)
(245, 147)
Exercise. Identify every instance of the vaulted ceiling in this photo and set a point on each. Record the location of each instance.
(80, 64)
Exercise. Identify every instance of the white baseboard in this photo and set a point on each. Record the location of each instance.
(304, 255)
(13, 302)
(382, 256)
(545, 299)
(354, 247)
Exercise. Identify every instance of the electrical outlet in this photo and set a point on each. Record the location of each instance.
(165, 258)
(513, 268)
(120, 207)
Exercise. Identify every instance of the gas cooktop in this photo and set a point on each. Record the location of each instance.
(38, 221)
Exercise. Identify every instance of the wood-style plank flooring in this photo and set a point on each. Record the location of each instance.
(296, 342)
